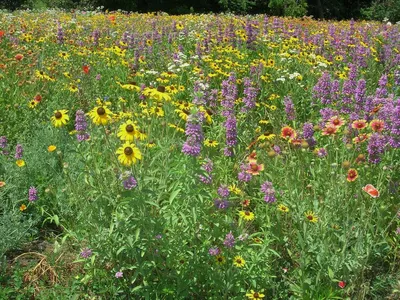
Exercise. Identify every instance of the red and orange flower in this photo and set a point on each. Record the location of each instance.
(329, 130)
(254, 168)
(288, 132)
(336, 121)
(359, 124)
(377, 125)
(352, 175)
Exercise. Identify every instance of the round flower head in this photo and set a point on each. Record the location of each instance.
(352, 175)
(100, 115)
(377, 125)
(288, 133)
(246, 215)
(336, 121)
(60, 118)
(239, 262)
(254, 295)
(329, 130)
(359, 124)
(128, 154)
(254, 168)
(127, 131)
(311, 217)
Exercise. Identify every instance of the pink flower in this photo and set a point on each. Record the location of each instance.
(342, 284)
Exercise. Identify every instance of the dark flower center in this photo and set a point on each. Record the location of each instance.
(161, 89)
(247, 213)
(239, 261)
(254, 167)
(128, 151)
(129, 128)
(101, 111)
(58, 115)
(256, 295)
(310, 217)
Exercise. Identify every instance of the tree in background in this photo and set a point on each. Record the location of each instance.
(293, 8)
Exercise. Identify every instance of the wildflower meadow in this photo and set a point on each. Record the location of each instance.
(207, 156)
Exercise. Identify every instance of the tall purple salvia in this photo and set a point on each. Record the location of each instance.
(395, 127)
(3, 142)
(81, 126)
(60, 34)
(32, 194)
(229, 241)
(269, 192)
(243, 176)
(19, 151)
(322, 90)
(250, 94)
(308, 130)
(231, 134)
(381, 91)
(289, 108)
(194, 135)
(376, 147)
(208, 168)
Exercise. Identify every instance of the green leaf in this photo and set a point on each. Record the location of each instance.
(330, 273)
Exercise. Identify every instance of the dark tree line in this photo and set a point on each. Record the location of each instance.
(321, 9)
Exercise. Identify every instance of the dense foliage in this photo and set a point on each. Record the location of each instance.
(148, 156)
(337, 9)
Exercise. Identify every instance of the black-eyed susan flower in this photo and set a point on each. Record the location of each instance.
(283, 208)
(32, 104)
(100, 115)
(255, 295)
(210, 143)
(246, 215)
(128, 131)
(311, 217)
(239, 262)
(220, 259)
(60, 118)
(128, 154)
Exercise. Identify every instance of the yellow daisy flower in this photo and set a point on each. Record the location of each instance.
(246, 215)
(254, 295)
(128, 154)
(239, 262)
(51, 148)
(60, 118)
(128, 131)
(283, 208)
(311, 217)
(210, 143)
(100, 115)
(219, 259)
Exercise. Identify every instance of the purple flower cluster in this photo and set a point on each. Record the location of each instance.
(229, 241)
(213, 251)
(231, 131)
(289, 108)
(3, 142)
(81, 126)
(86, 253)
(223, 192)
(194, 133)
(208, 168)
(60, 34)
(243, 176)
(395, 127)
(376, 146)
(32, 194)
(250, 94)
(321, 152)
(322, 90)
(18, 151)
(269, 192)
(129, 183)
